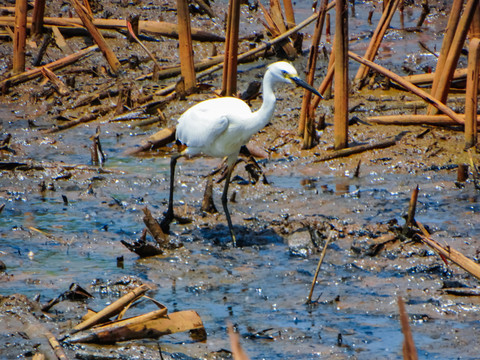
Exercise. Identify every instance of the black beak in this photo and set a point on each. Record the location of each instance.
(305, 85)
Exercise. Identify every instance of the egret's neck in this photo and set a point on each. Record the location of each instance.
(262, 116)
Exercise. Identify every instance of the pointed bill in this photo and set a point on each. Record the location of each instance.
(305, 85)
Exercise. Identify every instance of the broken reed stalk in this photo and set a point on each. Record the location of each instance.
(20, 37)
(356, 150)
(306, 122)
(377, 38)
(340, 131)
(445, 77)
(59, 85)
(409, 86)
(112, 309)
(134, 37)
(450, 253)
(412, 206)
(97, 36)
(428, 78)
(320, 261)
(229, 83)
(289, 13)
(409, 350)
(32, 74)
(185, 45)
(471, 98)
(37, 18)
(155, 229)
(453, 19)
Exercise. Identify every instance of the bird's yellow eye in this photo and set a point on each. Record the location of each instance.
(285, 74)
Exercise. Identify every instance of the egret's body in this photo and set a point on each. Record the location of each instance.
(220, 127)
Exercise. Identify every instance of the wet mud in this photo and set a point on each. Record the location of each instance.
(63, 217)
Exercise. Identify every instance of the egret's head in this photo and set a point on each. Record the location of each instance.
(285, 72)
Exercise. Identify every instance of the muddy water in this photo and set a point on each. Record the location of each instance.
(84, 211)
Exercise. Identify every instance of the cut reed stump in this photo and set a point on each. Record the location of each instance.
(471, 95)
(341, 76)
(185, 46)
(229, 82)
(37, 18)
(20, 37)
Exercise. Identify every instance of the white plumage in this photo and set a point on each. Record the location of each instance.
(219, 127)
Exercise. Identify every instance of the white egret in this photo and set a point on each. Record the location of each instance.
(219, 127)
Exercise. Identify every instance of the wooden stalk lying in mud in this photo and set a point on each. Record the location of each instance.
(61, 88)
(341, 76)
(426, 79)
(356, 150)
(445, 75)
(450, 253)
(409, 86)
(306, 122)
(111, 310)
(156, 27)
(415, 119)
(97, 36)
(471, 98)
(229, 82)
(377, 38)
(32, 74)
(20, 38)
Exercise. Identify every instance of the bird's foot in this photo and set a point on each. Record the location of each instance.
(166, 221)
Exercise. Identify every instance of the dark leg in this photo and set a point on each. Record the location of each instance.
(225, 207)
(165, 224)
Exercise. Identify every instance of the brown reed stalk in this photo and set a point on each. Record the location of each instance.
(327, 81)
(471, 98)
(320, 261)
(445, 77)
(229, 82)
(185, 45)
(412, 207)
(377, 37)
(415, 119)
(305, 126)
(97, 36)
(409, 350)
(446, 251)
(409, 86)
(341, 76)
(289, 13)
(452, 24)
(20, 37)
(37, 18)
(32, 74)
(250, 53)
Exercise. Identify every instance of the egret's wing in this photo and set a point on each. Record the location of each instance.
(201, 125)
